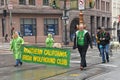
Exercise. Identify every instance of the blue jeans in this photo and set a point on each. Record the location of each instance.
(104, 52)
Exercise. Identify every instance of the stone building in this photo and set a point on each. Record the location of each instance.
(34, 19)
(116, 18)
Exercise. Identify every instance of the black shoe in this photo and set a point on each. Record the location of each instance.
(107, 60)
(16, 65)
(103, 62)
(81, 68)
(21, 63)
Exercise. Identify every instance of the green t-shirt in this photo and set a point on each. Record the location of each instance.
(80, 38)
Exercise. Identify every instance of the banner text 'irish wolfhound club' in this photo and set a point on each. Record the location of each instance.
(52, 56)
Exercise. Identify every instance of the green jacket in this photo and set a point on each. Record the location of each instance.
(15, 46)
(49, 41)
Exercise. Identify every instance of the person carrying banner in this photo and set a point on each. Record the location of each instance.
(15, 46)
(82, 41)
(49, 41)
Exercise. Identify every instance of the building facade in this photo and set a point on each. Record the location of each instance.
(99, 16)
(116, 18)
(34, 19)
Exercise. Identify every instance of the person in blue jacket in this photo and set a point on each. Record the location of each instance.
(104, 38)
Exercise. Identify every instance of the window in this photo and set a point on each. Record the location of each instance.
(108, 22)
(28, 26)
(97, 4)
(31, 2)
(103, 21)
(2, 2)
(22, 2)
(46, 2)
(98, 22)
(51, 26)
(73, 4)
(103, 5)
(107, 6)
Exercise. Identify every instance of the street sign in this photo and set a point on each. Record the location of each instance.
(65, 17)
(81, 4)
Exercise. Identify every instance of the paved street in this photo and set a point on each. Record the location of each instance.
(29, 71)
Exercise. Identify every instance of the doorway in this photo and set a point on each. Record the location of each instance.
(73, 28)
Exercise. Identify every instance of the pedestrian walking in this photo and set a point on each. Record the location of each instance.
(49, 41)
(97, 40)
(12, 30)
(82, 41)
(15, 46)
(104, 39)
(6, 38)
(119, 38)
(94, 39)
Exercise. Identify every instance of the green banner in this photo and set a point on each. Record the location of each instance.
(42, 55)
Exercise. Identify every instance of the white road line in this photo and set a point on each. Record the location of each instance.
(109, 65)
(76, 55)
(1, 53)
(74, 61)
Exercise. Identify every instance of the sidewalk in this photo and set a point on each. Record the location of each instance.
(40, 71)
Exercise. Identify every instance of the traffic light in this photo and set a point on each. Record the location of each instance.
(54, 4)
(91, 3)
(4, 13)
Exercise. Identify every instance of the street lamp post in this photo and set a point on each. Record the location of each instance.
(3, 26)
(64, 18)
(4, 22)
(10, 7)
(81, 4)
(65, 23)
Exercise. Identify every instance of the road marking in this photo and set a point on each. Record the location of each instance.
(74, 54)
(74, 74)
(109, 65)
(74, 61)
(5, 52)
(77, 55)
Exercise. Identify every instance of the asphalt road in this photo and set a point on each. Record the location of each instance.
(29, 71)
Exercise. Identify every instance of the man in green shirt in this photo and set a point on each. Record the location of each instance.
(82, 41)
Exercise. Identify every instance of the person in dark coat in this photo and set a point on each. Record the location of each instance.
(6, 38)
(104, 38)
(82, 41)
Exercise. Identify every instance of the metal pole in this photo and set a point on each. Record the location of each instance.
(35, 35)
(65, 23)
(10, 7)
(10, 22)
(3, 27)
